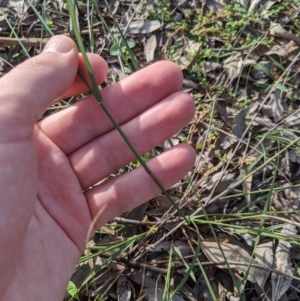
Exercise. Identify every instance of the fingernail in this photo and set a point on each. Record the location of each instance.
(59, 44)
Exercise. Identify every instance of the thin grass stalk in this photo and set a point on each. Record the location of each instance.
(167, 289)
(15, 34)
(40, 18)
(262, 103)
(42, 27)
(58, 13)
(187, 266)
(245, 230)
(252, 216)
(188, 272)
(230, 188)
(213, 233)
(276, 189)
(90, 15)
(248, 127)
(123, 246)
(261, 226)
(95, 91)
(133, 59)
(251, 173)
(191, 185)
(276, 63)
(206, 137)
(106, 248)
(106, 263)
(110, 32)
(265, 35)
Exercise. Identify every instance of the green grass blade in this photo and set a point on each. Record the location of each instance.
(45, 25)
(190, 269)
(15, 34)
(115, 41)
(95, 91)
(90, 26)
(131, 54)
(167, 288)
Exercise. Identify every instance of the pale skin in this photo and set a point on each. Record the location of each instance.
(46, 166)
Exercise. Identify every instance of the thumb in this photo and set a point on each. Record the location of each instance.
(33, 85)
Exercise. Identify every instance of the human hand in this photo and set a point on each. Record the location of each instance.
(45, 166)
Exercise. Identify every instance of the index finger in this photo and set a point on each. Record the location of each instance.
(84, 121)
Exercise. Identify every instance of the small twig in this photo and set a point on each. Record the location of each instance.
(138, 265)
(126, 221)
(31, 42)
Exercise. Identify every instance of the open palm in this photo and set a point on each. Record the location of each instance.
(48, 196)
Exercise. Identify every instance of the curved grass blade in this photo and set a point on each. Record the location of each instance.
(95, 91)
(15, 34)
(133, 59)
(111, 34)
(40, 18)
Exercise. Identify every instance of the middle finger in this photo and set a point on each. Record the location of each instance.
(106, 154)
(84, 121)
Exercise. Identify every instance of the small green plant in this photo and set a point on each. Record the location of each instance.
(242, 104)
(162, 11)
(73, 290)
(117, 49)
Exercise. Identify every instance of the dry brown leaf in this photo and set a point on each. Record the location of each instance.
(235, 68)
(225, 141)
(109, 230)
(277, 50)
(239, 123)
(257, 73)
(113, 6)
(201, 290)
(137, 27)
(293, 119)
(19, 6)
(219, 182)
(284, 164)
(265, 8)
(123, 289)
(163, 201)
(184, 247)
(248, 238)
(276, 102)
(288, 200)
(291, 47)
(143, 279)
(281, 284)
(234, 253)
(150, 47)
(156, 294)
(265, 256)
(278, 31)
(254, 5)
(247, 184)
(211, 66)
(216, 5)
(190, 84)
(294, 156)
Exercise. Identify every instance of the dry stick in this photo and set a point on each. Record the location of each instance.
(31, 42)
(138, 265)
(133, 222)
